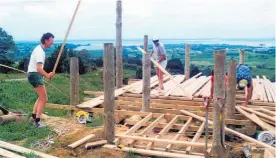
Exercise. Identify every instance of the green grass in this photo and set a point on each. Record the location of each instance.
(14, 131)
(12, 76)
(131, 154)
(31, 155)
(97, 121)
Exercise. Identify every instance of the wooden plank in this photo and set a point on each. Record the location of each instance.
(269, 88)
(232, 131)
(255, 119)
(163, 131)
(96, 93)
(95, 144)
(269, 154)
(165, 72)
(23, 150)
(187, 61)
(165, 141)
(99, 100)
(8, 154)
(258, 113)
(181, 132)
(168, 85)
(183, 85)
(273, 113)
(81, 141)
(267, 92)
(196, 137)
(151, 152)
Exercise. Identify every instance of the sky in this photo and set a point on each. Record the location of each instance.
(170, 19)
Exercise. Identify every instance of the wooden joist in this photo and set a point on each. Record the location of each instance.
(165, 141)
(181, 132)
(135, 127)
(258, 113)
(163, 131)
(152, 152)
(9, 154)
(245, 137)
(196, 137)
(256, 119)
(23, 150)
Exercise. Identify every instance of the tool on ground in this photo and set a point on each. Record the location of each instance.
(266, 137)
(206, 104)
(83, 117)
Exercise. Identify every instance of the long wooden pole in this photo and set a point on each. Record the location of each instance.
(109, 98)
(231, 90)
(119, 56)
(146, 77)
(66, 35)
(241, 56)
(187, 62)
(218, 110)
(166, 72)
(74, 81)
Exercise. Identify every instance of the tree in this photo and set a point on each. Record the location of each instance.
(23, 64)
(7, 50)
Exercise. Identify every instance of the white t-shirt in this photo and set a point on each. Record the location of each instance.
(37, 57)
(158, 51)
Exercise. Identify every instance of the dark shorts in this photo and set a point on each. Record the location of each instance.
(35, 79)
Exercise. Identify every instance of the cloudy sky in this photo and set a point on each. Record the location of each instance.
(28, 19)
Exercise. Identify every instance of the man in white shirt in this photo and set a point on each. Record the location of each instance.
(35, 76)
(159, 54)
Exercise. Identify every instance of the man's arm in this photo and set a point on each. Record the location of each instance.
(163, 57)
(44, 73)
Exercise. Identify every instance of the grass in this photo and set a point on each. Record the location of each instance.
(31, 155)
(131, 154)
(12, 76)
(25, 132)
(97, 121)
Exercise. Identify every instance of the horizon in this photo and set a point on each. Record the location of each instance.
(192, 19)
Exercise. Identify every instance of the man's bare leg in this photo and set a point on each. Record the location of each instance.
(42, 95)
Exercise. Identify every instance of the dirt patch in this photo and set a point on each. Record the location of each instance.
(69, 130)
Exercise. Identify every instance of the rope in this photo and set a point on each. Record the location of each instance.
(26, 73)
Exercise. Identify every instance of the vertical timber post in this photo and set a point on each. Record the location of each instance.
(187, 62)
(219, 101)
(241, 56)
(74, 81)
(231, 90)
(119, 56)
(146, 77)
(109, 98)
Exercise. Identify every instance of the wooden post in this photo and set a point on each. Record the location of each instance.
(218, 110)
(231, 90)
(74, 81)
(119, 56)
(241, 56)
(109, 98)
(187, 61)
(146, 77)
